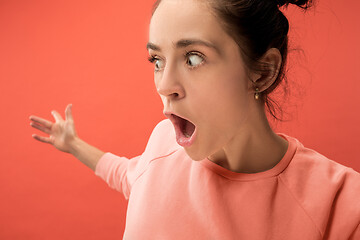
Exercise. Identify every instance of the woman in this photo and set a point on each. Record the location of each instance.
(214, 169)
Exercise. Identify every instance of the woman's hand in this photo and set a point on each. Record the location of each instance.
(62, 132)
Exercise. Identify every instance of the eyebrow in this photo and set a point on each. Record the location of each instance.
(184, 43)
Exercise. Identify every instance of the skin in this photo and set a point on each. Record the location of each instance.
(216, 91)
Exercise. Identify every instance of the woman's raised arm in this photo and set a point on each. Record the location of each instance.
(63, 136)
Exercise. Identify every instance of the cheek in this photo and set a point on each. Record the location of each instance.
(221, 105)
(223, 92)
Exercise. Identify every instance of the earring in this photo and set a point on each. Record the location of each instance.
(256, 93)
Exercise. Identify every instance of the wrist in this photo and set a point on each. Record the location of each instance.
(74, 146)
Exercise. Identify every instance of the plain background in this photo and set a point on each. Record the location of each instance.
(92, 54)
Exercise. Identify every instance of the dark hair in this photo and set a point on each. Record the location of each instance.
(256, 26)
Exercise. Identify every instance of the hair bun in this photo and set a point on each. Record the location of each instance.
(304, 4)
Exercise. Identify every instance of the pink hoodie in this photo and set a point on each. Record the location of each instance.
(305, 196)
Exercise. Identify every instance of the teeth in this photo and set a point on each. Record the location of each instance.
(187, 135)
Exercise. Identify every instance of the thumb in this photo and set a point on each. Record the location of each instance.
(68, 112)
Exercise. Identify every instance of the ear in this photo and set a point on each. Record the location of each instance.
(270, 67)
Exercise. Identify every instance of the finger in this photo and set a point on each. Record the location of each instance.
(57, 116)
(42, 121)
(41, 128)
(68, 112)
(42, 139)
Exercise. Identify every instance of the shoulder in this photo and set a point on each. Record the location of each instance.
(309, 163)
(313, 169)
(327, 190)
(160, 144)
(161, 141)
(162, 129)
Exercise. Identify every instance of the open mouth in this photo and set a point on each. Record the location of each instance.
(186, 127)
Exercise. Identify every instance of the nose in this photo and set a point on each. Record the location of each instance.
(169, 85)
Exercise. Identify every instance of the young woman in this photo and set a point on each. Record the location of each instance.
(214, 168)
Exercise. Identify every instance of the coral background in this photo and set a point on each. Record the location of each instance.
(92, 54)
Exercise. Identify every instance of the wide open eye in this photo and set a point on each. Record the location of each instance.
(194, 59)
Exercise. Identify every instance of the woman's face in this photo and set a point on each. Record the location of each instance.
(207, 85)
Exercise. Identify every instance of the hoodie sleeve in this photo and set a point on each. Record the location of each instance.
(113, 170)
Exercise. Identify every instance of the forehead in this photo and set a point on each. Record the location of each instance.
(178, 19)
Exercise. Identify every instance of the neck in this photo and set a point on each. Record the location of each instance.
(255, 148)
